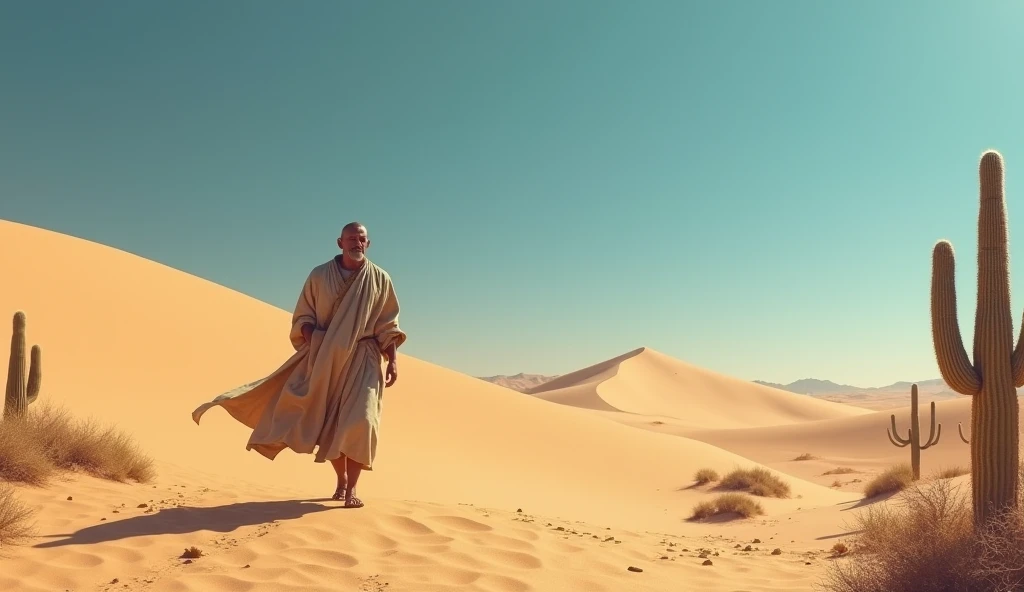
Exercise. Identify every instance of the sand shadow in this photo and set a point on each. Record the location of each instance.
(183, 520)
(867, 501)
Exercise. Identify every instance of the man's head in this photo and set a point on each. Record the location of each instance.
(354, 241)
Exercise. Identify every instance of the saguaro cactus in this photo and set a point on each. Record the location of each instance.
(998, 366)
(20, 393)
(914, 434)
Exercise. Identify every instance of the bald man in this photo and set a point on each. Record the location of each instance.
(327, 396)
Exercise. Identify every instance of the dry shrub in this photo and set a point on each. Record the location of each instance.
(840, 471)
(895, 478)
(705, 475)
(922, 539)
(757, 481)
(951, 473)
(14, 518)
(805, 456)
(727, 503)
(49, 439)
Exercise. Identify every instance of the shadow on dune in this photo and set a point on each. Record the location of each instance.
(184, 520)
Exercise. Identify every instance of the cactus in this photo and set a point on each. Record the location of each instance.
(21, 393)
(914, 434)
(998, 366)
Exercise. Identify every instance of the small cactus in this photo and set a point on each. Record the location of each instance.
(21, 392)
(914, 434)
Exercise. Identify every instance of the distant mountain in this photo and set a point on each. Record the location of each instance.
(815, 386)
(811, 386)
(518, 382)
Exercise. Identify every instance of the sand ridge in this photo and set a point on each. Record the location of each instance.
(649, 383)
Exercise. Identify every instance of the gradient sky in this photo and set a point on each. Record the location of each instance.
(752, 187)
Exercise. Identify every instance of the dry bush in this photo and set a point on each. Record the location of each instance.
(840, 471)
(951, 473)
(806, 456)
(705, 475)
(727, 503)
(14, 518)
(895, 478)
(922, 539)
(49, 439)
(758, 481)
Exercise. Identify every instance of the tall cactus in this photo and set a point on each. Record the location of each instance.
(998, 366)
(21, 393)
(914, 434)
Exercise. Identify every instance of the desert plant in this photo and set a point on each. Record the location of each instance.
(951, 472)
(15, 518)
(758, 481)
(893, 479)
(924, 539)
(998, 367)
(728, 503)
(705, 475)
(49, 440)
(914, 434)
(21, 392)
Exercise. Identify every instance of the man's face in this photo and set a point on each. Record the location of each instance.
(354, 243)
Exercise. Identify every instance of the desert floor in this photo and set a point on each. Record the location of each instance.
(477, 487)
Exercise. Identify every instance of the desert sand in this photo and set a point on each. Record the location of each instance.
(477, 487)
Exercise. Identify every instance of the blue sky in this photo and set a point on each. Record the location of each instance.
(752, 187)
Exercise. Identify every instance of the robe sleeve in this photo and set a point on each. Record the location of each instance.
(386, 330)
(305, 312)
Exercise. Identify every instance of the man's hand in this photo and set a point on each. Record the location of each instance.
(392, 373)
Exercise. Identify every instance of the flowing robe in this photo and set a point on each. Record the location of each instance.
(328, 394)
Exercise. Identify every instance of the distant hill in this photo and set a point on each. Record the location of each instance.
(518, 382)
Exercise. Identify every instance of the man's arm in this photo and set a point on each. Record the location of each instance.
(307, 332)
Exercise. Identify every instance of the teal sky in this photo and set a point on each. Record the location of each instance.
(753, 187)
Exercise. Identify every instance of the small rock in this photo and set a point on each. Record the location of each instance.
(756, 541)
(707, 562)
(142, 505)
(636, 569)
(69, 498)
(777, 552)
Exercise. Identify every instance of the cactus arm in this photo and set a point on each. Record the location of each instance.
(960, 428)
(933, 433)
(954, 365)
(894, 435)
(35, 375)
(1017, 358)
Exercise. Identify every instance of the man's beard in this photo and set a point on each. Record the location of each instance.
(356, 254)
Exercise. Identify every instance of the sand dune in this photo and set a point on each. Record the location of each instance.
(139, 344)
(649, 383)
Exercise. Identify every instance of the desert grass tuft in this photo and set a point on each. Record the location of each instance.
(705, 475)
(728, 503)
(757, 481)
(951, 472)
(49, 440)
(895, 478)
(806, 456)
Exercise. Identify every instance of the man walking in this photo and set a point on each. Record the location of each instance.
(327, 395)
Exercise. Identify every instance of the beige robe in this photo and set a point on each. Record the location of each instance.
(328, 395)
